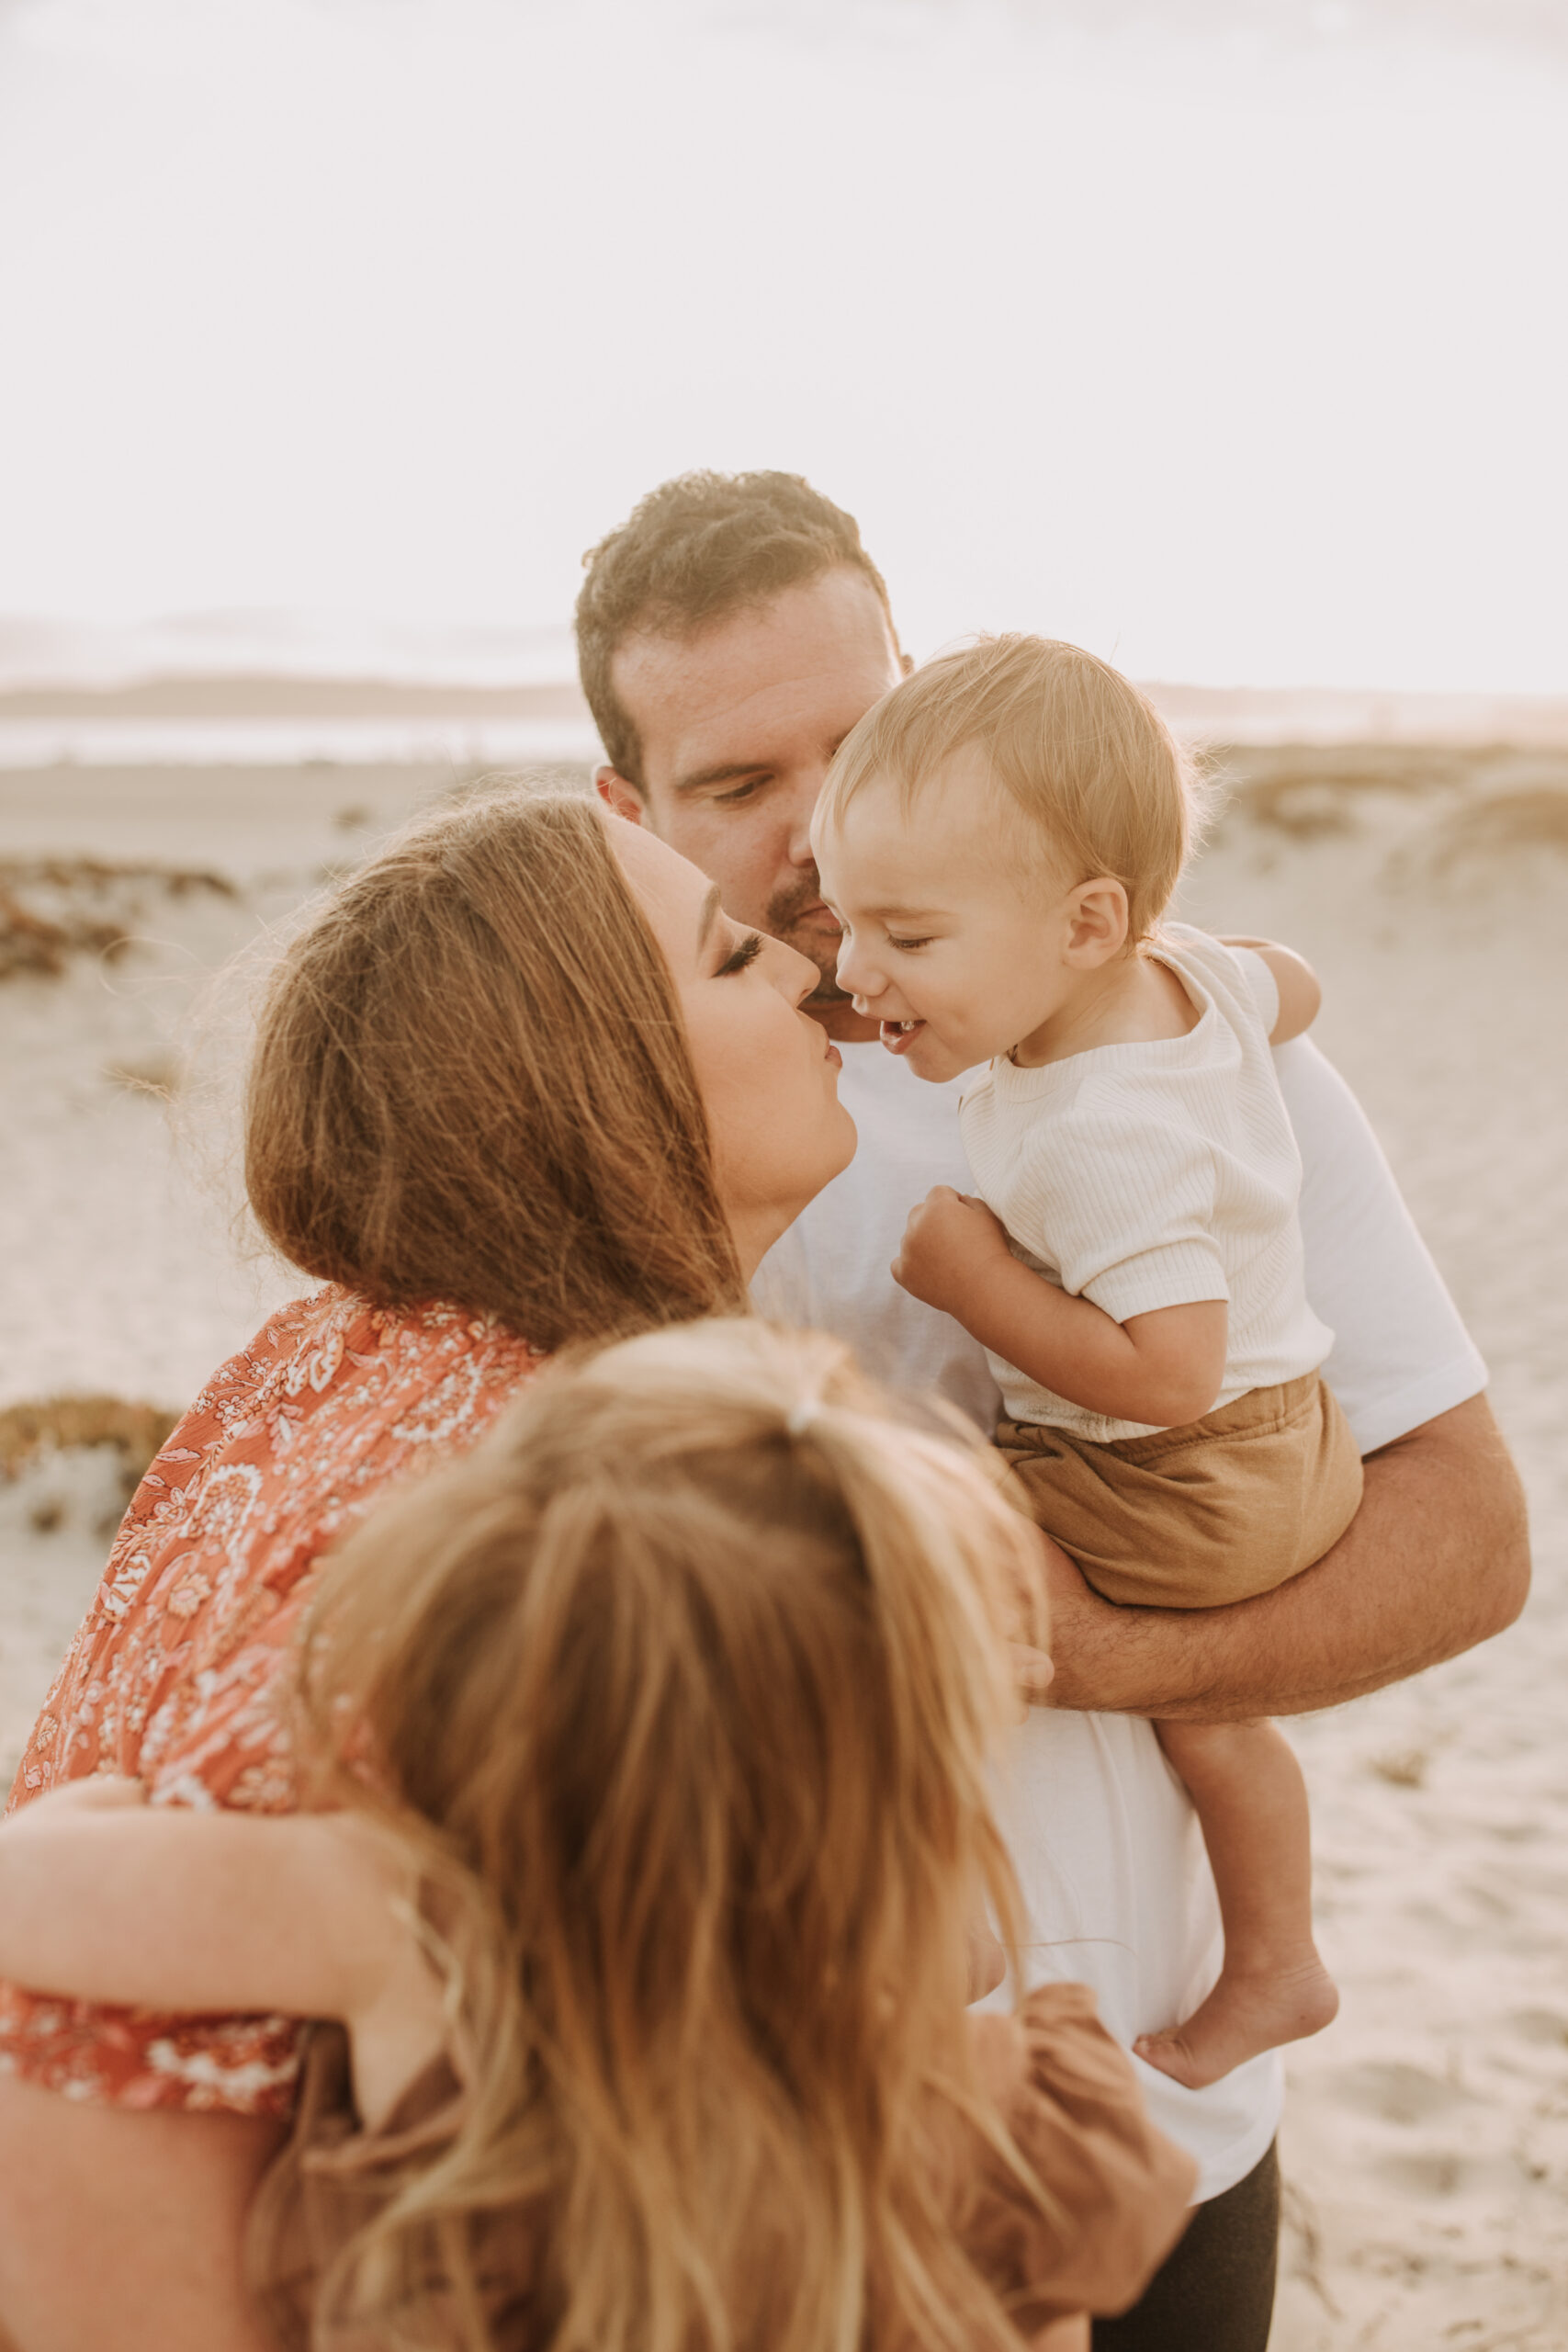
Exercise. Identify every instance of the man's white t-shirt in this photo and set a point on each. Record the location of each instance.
(1103, 1835)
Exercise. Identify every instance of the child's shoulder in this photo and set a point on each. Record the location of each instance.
(1258, 985)
(1226, 973)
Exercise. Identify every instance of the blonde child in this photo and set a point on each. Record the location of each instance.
(659, 1733)
(1000, 839)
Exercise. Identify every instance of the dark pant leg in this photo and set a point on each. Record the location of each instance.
(1215, 2294)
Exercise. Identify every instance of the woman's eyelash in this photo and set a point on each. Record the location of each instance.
(750, 948)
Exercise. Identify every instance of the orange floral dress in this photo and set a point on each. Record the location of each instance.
(177, 1671)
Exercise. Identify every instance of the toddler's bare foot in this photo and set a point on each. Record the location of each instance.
(1248, 2012)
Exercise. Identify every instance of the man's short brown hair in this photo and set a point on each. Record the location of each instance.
(693, 553)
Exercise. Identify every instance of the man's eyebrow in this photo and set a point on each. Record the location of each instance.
(708, 916)
(727, 772)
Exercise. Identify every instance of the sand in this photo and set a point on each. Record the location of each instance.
(1427, 2136)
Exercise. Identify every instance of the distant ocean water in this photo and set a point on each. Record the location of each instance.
(290, 742)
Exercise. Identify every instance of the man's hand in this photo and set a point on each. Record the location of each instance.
(950, 1243)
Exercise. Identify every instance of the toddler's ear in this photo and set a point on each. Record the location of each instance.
(1097, 921)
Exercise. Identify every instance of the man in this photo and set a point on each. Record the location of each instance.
(730, 634)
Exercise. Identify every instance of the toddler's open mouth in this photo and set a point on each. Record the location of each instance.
(899, 1035)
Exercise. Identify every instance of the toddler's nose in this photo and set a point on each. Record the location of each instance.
(853, 976)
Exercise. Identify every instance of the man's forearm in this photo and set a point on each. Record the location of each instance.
(1436, 1559)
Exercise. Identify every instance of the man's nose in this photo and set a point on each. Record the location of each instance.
(802, 807)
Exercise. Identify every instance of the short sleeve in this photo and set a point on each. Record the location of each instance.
(1401, 1353)
(1261, 985)
(1122, 1205)
(1119, 2189)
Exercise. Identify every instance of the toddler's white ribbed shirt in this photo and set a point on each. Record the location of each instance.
(1156, 1174)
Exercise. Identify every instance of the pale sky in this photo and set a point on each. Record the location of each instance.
(1227, 337)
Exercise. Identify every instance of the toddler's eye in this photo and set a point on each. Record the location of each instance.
(906, 944)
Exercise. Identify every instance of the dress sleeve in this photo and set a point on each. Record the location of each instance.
(1122, 1205)
(1119, 2191)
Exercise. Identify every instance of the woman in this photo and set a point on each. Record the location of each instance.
(519, 1081)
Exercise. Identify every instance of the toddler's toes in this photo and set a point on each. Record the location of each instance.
(1245, 2014)
(1170, 2054)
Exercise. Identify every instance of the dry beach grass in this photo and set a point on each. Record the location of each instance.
(1427, 2140)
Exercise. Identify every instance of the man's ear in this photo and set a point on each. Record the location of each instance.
(618, 794)
(1097, 922)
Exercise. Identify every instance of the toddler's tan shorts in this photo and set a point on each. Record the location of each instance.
(1191, 1518)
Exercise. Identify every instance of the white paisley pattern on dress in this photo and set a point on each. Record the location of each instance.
(177, 1671)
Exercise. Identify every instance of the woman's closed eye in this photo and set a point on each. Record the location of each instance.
(744, 952)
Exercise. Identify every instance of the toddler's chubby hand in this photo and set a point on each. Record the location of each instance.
(950, 1239)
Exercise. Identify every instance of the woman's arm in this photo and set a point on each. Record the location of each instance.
(108, 1899)
(123, 2228)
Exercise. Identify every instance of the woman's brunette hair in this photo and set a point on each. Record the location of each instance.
(471, 1082)
(685, 1687)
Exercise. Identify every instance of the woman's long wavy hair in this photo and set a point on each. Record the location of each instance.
(470, 1081)
(685, 1686)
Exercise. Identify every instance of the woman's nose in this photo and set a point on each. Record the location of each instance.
(795, 976)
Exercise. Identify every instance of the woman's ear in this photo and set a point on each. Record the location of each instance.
(1097, 922)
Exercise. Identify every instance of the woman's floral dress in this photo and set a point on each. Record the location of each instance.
(177, 1673)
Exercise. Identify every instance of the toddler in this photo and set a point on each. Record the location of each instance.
(1000, 839)
(659, 1733)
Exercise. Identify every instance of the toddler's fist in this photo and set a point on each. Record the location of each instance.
(949, 1238)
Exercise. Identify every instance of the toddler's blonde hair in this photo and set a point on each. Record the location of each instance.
(685, 1687)
(1102, 783)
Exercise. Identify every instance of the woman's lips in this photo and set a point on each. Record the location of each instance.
(899, 1035)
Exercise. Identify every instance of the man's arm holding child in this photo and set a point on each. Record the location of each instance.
(1436, 1560)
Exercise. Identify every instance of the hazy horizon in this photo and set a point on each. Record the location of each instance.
(1223, 337)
